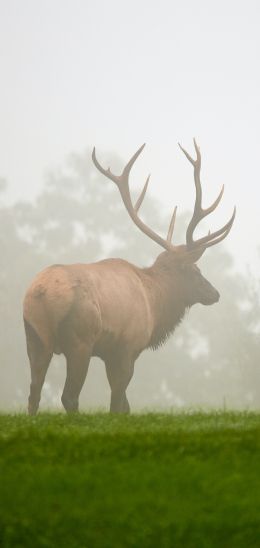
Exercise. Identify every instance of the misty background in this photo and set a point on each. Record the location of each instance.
(114, 75)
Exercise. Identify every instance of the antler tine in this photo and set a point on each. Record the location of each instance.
(220, 238)
(215, 204)
(142, 195)
(122, 182)
(191, 160)
(171, 226)
(132, 160)
(105, 172)
(215, 237)
(126, 171)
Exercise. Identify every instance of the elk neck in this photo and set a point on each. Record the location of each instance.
(167, 300)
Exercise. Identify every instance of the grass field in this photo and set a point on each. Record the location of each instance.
(96, 480)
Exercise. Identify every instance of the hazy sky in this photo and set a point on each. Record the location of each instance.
(75, 73)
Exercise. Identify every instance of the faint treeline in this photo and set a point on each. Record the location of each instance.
(213, 358)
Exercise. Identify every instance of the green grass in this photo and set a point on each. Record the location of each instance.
(96, 480)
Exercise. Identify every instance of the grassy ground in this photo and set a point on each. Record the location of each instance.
(88, 481)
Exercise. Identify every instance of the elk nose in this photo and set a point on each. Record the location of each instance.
(217, 296)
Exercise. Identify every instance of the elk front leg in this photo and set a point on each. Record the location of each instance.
(119, 374)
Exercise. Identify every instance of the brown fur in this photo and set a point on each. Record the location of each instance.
(111, 309)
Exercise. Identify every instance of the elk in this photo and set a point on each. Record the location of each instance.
(113, 309)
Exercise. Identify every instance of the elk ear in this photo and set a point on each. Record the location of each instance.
(192, 256)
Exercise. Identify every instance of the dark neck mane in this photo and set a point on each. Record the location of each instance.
(166, 298)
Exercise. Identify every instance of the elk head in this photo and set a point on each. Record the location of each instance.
(177, 260)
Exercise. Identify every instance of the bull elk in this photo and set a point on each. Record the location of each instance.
(113, 309)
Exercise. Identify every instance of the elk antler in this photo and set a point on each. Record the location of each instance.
(122, 181)
(199, 213)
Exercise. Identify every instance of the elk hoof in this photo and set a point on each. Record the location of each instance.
(32, 409)
(70, 405)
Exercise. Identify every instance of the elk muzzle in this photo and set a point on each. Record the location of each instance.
(209, 294)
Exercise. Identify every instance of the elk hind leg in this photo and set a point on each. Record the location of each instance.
(77, 367)
(39, 357)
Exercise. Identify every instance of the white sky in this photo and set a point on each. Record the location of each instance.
(75, 73)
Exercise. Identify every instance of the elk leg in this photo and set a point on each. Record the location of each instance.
(119, 374)
(39, 356)
(39, 368)
(77, 368)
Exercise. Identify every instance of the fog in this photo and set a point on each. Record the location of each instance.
(114, 75)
